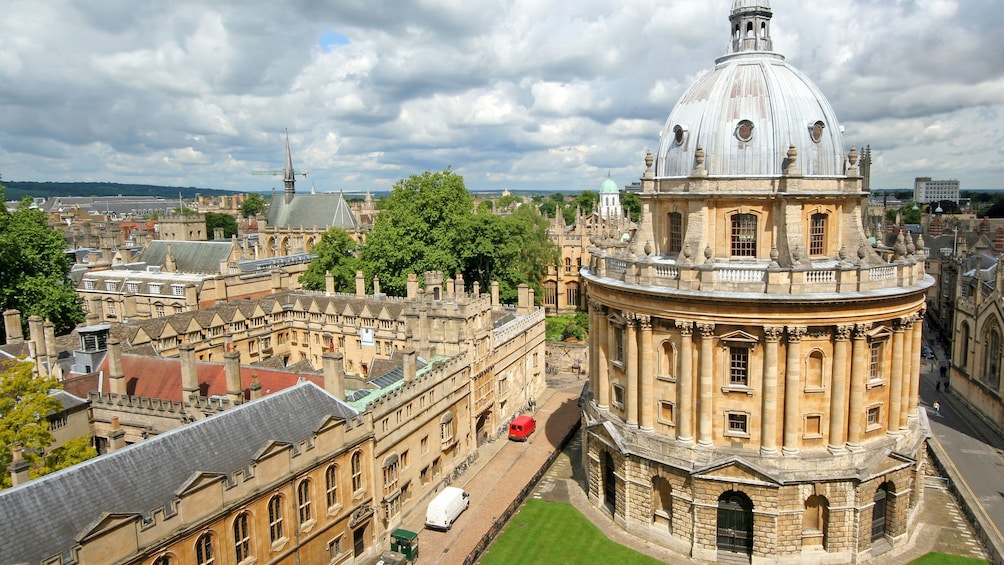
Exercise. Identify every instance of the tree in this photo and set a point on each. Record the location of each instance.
(632, 205)
(216, 220)
(35, 268)
(336, 254)
(24, 404)
(253, 205)
(70, 453)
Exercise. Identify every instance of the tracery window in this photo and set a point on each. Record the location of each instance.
(275, 518)
(204, 550)
(303, 500)
(991, 361)
(357, 472)
(331, 485)
(242, 537)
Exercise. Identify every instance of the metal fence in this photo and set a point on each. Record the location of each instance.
(501, 521)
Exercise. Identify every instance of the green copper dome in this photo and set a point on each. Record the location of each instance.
(609, 186)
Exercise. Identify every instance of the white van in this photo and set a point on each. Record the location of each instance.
(445, 508)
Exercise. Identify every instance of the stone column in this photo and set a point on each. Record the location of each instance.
(859, 375)
(768, 416)
(685, 384)
(914, 357)
(838, 391)
(631, 352)
(793, 391)
(705, 423)
(594, 346)
(897, 376)
(646, 370)
(603, 338)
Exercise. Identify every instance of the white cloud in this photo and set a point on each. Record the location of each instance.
(517, 93)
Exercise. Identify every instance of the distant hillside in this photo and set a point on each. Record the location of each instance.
(16, 190)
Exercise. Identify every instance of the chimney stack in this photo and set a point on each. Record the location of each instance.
(116, 436)
(334, 375)
(360, 284)
(189, 373)
(116, 375)
(12, 326)
(18, 467)
(232, 367)
(410, 365)
(255, 387)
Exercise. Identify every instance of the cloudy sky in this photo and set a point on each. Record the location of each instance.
(549, 94)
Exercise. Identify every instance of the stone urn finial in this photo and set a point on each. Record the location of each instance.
(648, 248)
(699, 158)
(649, 159)
(862, 251)
(708, 253)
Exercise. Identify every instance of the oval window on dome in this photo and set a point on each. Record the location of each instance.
(744, 131)
(816, 131)
(679, 134)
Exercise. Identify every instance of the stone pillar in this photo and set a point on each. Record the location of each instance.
(603, 341)
(334, 374)
(914, 357)
(631, 337)
(768, 416)
(116, 436)
(49, 329)
(116, 376)
(705, 424)
(18, 466)
(897, 376)
(793, 392)
(232, 369)
(646, 372)
(838, 391)
(859, 375)
(189, 373)
(12, 326)
(329, 283)
(360, 284)
(685, 384)
(594, 346)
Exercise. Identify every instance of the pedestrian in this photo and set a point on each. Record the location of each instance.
(944, 371)
(937, 386)
(946, 385)
(937, 408)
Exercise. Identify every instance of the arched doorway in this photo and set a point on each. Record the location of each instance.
(609, 482)
(735, 523)
(880, 512)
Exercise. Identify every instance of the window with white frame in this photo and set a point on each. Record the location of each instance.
(736, 424)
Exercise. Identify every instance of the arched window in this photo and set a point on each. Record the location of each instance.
(275, 518)
(204, 550)
(744, 235)
(814, 370)
(662, 502)
(815, 518)
(568, 264)
(880, 511)
(735, 522)
(303, 501)
(817, 235)
(357, 472)
(242, 537)
(675, 232)
(446, 428)
(963, 356)
(572, 294)
(163, 560)
(331, 485)
(550, 293)
(991, 357)
(667, 361)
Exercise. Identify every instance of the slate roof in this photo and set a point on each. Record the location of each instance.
(311, 210)
(189, 256)
(42, 517)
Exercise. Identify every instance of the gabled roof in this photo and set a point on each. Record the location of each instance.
(190, 256)
(42, 517)
(312, 211)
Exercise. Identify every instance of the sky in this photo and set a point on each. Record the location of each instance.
(520, 94)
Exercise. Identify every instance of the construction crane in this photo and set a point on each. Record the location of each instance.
(288, 173)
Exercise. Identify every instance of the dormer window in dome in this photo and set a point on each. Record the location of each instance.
(744, 131)
(679, 134)
(816, 131)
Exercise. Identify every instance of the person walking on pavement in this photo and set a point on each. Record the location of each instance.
(937, 408)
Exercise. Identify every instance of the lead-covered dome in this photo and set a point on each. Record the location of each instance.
(748, 110)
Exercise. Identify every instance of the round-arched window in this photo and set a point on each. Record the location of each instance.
(744, 131)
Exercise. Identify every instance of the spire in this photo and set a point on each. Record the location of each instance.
(750, 26)
(288, 176)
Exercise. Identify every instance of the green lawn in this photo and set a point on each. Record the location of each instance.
(555, 533)
(946, 559)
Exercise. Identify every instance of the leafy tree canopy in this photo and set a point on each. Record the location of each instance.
(632, 205)
(35, 267)
(253, 205)
(336, 254)
(216, 220)
(24, 405)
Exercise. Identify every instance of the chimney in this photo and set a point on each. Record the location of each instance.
(255, 387)
(412, 286)
(410, 365)
(460, 286)
(18, 466)
(232, 366)
(49, 329)
(12, 325)
(334, 375)
(116, 436)
(376, 285)
(189, 374)
(329, 283)
(523, 304)
(360, 284)
(116, 376)
(450, 289)
(476, 289)
(495, 294)
(36, 335)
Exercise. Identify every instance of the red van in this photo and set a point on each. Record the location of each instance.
(521, 428)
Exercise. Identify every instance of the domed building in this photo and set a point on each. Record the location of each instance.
(754, 358)
(610, 200)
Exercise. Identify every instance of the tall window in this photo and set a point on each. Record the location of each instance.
(739, 364)
(817, 234)
(275, 518)
(572, 294)
(619, 343)
(875, 367)
(162, 560)
(744, 235)
(242, 537)
(963, 355)
(357, 472)
(204, 550)
(551, 293)
(390, 474)
(446, 428)
(331, 485)
(568, 264)
(303, 501)
(992, 343)
(675, 232)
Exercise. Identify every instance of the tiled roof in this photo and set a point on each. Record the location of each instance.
(43, 517)
(311, 211)
(189, 256)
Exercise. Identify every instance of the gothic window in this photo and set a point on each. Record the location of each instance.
(550, 293)
(303, 500)
(242, 537)
(817, 234)
(390, 474)
(275, 518)
(744, 235)
(446, 429)
(331, 485)
(204, 550)
(991, 362)
(572, 294)
(963, 356)
(568, 264)
(357, 472)
(675, 232)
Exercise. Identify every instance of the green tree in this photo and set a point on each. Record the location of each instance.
(216, 220)
(507, 200)
(336, 254)
(24, 404)
(253, 205)
(35, 268)
(70, 453)
(632, 205)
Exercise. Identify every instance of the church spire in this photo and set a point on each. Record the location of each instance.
(750, 21)
(288, 176)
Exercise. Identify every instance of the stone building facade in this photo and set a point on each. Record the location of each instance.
(754, 360)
